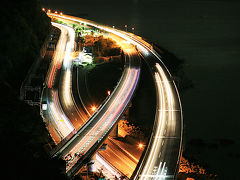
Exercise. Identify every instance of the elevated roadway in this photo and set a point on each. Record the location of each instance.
(162, 156)
(163, 152)
(110, 111)
(91, 136)
(59, 125)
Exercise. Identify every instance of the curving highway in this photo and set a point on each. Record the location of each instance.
(163, 151)
(92, 135)
(162, 156)
(59, 125)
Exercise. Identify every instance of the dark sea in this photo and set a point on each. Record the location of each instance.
(206, 34)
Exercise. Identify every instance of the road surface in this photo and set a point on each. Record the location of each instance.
(59, 125)
(90, 137)
(164, 149)
(163, 152)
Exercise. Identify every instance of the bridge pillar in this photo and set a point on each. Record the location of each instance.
(114, 132)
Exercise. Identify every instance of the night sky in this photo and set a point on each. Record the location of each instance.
(206, 34)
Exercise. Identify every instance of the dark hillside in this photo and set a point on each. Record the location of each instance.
(24, 28)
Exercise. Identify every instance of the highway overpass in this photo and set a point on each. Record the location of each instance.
(59, 125)
(162, 156)
(109, 112)
(163, 152)
(90, 137)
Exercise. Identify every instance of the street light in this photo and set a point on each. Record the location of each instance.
(93, 108)
(61, 13)
(43, 9)
(133, 30)
(55, 12)
(108, 92)
(140, 146)
(49, 11)
(125, 27)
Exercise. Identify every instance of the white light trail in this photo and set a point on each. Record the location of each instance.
(61, 121)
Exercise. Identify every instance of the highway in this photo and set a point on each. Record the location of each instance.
(58, 123)
(120, 157)
(64, 84)
(64, 116)
(77, 115)
(161, 160)
(163, 152)
(91, 136)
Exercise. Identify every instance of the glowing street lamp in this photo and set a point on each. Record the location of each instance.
(140, 146)
(49, 11)
(43, 9)
(55, 12)
(61, 13)
(93, 108)
(125, 27)
(108, 92)
(133, 30)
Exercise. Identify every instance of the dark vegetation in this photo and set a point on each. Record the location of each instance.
(176, 67)
(197, 151)
(102, 78)
(142, 112)
(24, 30)
(105, 47)
(22, 131)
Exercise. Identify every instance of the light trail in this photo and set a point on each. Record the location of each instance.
(56, 116)
(104, 122)
(109, 118)
(157, 161)
(107, 166)
(153, 166)
(57, 58)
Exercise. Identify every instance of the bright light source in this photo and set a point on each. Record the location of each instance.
(93, 108)
(43, 9)
(108, 92)
(44, 107)
(61, 13)
(140, 146)
(49, 11)
(55, 12)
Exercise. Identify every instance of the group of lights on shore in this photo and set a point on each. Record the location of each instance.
(126, 28)
(56, 12)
